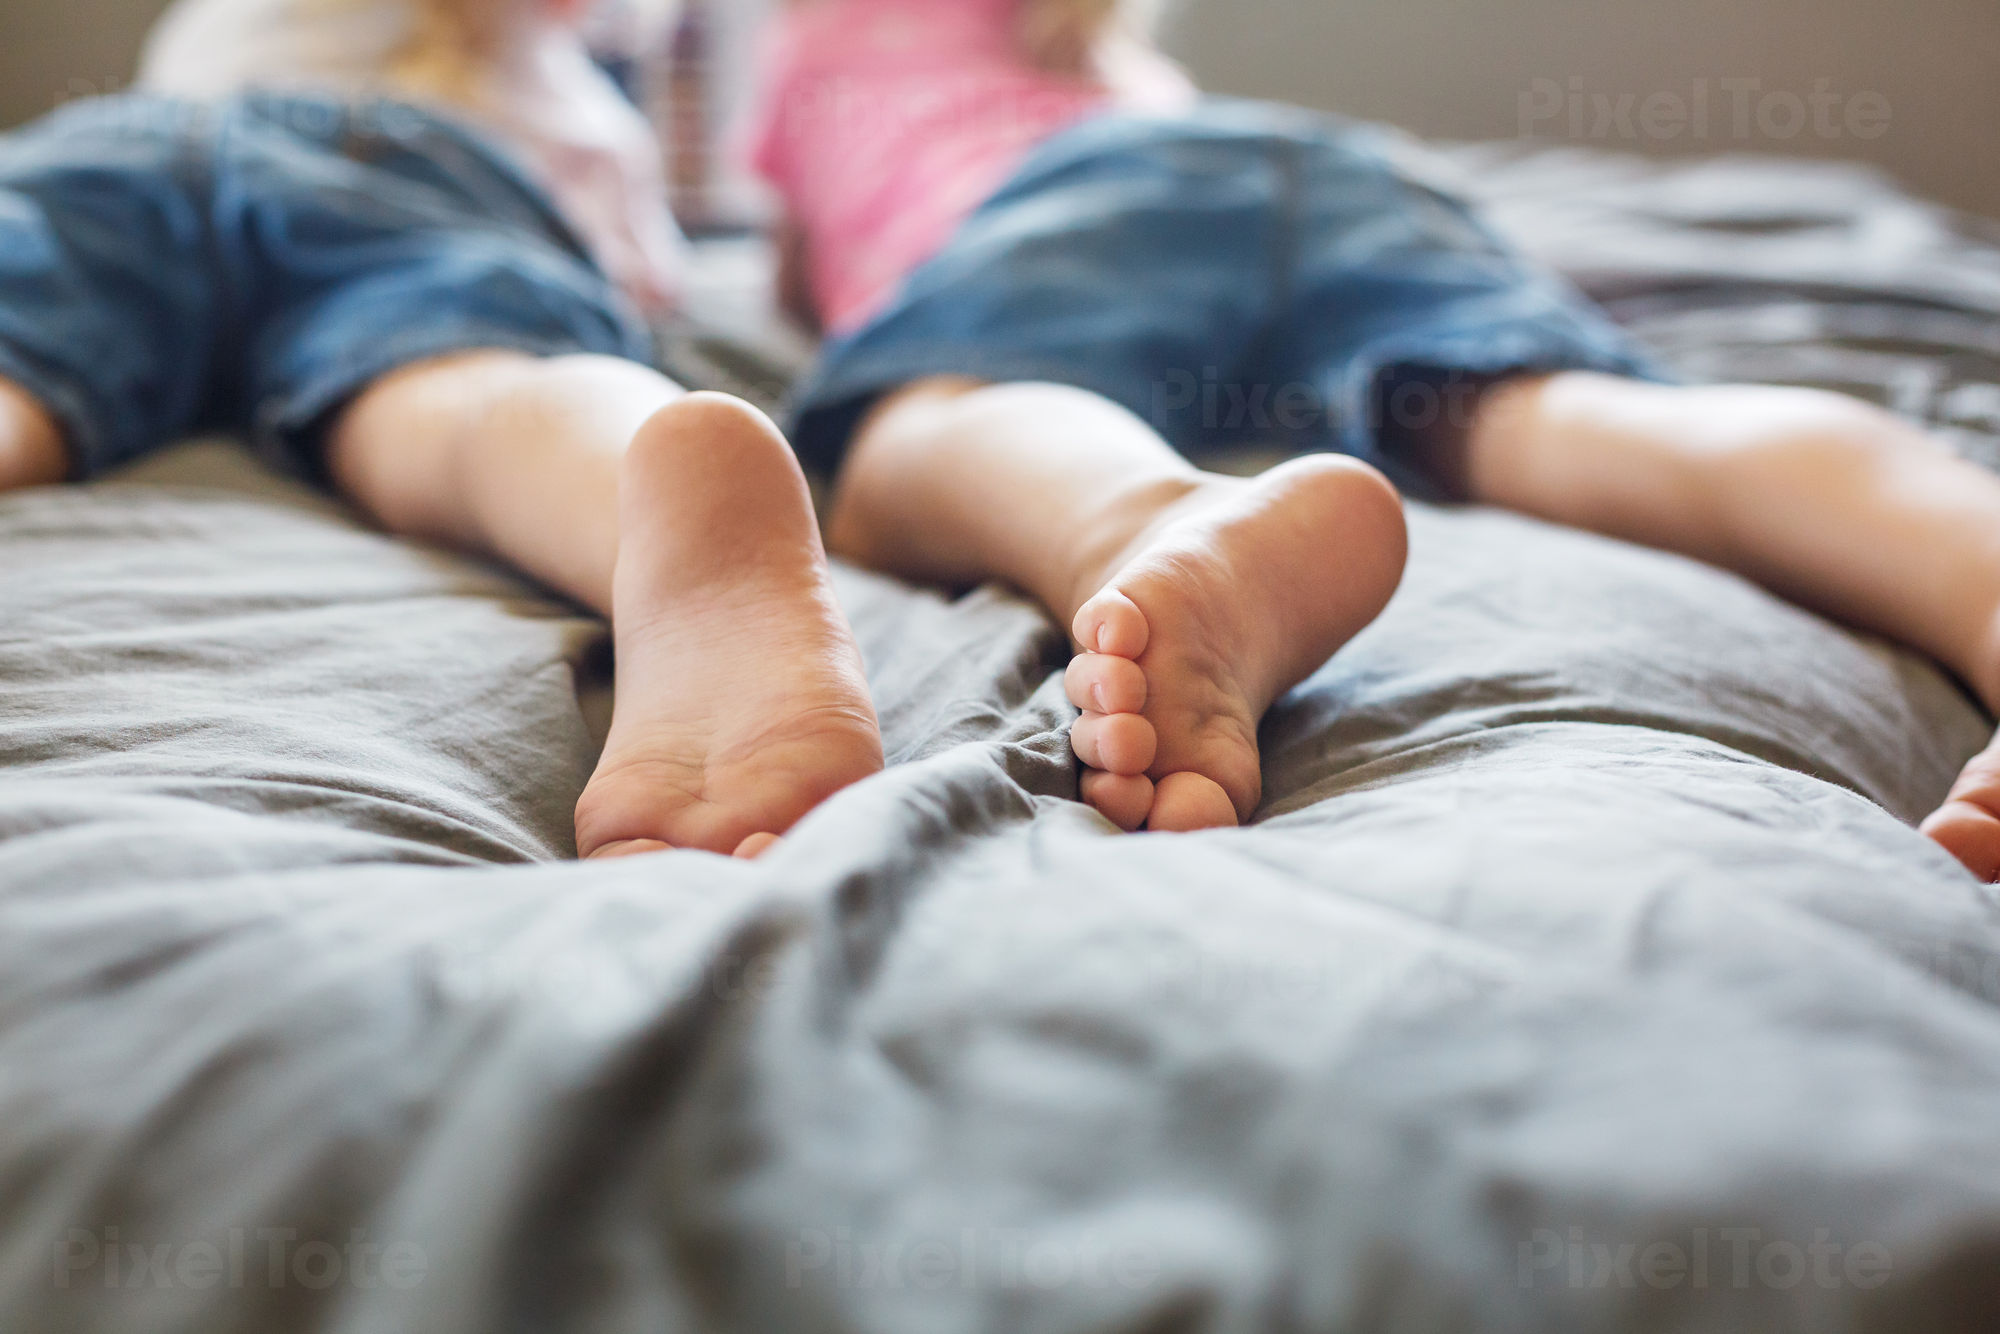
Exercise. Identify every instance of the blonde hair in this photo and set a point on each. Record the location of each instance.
(449, 45)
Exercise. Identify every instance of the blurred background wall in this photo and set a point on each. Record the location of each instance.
(1920, 79)
(1913, 85)
(54, 50)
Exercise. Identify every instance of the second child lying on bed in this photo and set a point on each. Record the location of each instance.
(1055, 275)
(380, 298)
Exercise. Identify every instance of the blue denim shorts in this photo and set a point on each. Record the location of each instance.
(167, 267)
(1240, 273)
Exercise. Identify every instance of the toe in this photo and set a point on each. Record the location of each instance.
(1970, 833)
(755, 846)
(1187, 801)
(1119, 743)
(631, 847)
(1100, 683)
(1968, 824)
(1123, 799)
(1112, 623)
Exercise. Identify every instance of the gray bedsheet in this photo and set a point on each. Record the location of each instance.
(1581, 972)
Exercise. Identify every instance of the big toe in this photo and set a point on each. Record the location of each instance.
(1185, 802)
(1112, 623)
(631, 847)
(1970, 833)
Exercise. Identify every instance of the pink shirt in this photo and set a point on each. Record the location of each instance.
(884, 123)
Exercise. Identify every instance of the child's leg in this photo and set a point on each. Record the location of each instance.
(1824, 499)
(1197, 599)
(741, 700)
(31, 445)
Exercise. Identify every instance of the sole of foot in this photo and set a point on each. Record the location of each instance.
(741, 700)
(1223, 598)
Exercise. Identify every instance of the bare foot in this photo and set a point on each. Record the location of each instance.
(1968, 824)
(1223, 598)
(741, 699)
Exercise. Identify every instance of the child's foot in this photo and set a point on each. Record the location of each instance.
(741, 699)
(1224, 598)
(1968, 824)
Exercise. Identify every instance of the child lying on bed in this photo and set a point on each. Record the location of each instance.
(519, 70)
(1054, 275)
(378, 296)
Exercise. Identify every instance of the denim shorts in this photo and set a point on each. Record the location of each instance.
(168, 267)
(1242, 273)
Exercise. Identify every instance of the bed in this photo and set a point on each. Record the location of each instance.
(1581, 972)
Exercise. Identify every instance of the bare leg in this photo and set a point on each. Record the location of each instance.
(31, 444)
(1826, 500)
(504, 455)
(1197, 599)
(741, 700)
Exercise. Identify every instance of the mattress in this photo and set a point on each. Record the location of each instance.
(1581, 971)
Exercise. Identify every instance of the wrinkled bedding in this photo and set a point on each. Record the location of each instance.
(1581, 972)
